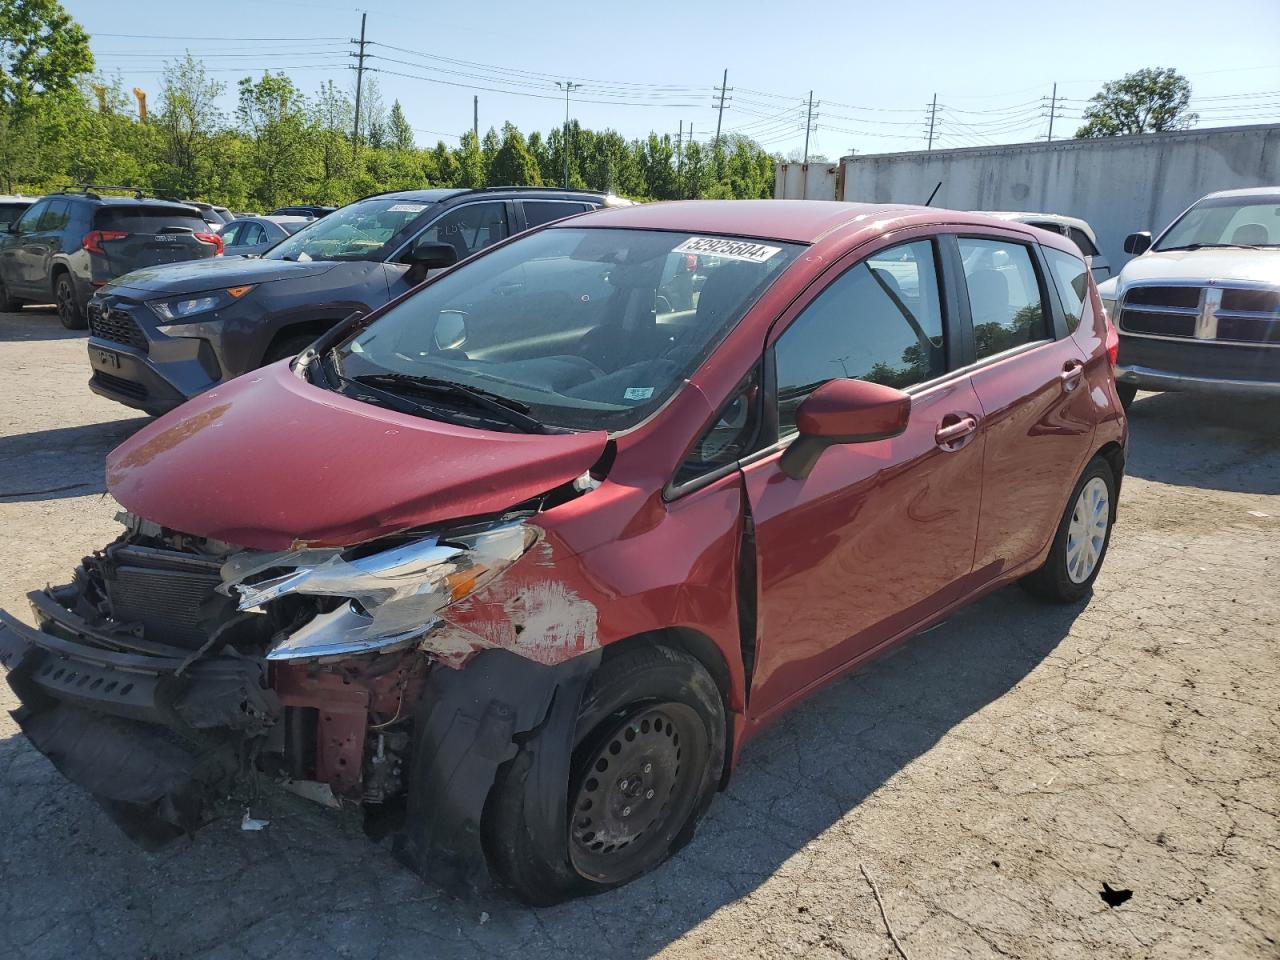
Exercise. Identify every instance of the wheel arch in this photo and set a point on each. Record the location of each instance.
(1113, 453)
(299, 328)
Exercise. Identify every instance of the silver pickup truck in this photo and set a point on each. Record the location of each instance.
(1200, 308)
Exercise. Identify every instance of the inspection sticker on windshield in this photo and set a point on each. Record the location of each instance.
(406, 208)
(728, 249)
(637, 393)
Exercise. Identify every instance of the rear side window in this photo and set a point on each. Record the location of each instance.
(147, 219)
(56, 216)
(880, 320)
(1081, 240)
(253, 234)
(1071, 277)
(1004, 295)
(538, 212)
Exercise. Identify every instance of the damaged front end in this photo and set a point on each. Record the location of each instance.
(174, 670)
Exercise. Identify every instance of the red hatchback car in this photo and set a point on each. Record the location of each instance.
(523, 559)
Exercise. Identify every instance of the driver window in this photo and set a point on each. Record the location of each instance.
(472, 227)
(27, 224)
(881, 321)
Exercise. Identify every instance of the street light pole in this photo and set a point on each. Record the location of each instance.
(568, 87)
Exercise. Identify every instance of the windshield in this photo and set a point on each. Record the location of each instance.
(586, 329)
(1228, 222)
(364, 230)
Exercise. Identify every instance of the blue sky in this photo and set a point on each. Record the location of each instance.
(873, 67)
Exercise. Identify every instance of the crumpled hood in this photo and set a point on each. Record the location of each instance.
(195, 276)
(1206, 265)
(268, 460)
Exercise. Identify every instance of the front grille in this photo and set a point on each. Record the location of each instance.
(117, 326)
(171, 595)
(120, 385)
(1205, 313)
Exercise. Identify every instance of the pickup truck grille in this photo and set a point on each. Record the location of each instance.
(1217, 313)
(118, 327)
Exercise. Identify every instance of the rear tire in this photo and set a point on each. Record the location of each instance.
(7, 303)
(1081, 540)
(1127, 392)
(650, 708)
(69, 312)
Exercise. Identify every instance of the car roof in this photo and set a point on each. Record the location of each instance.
(1259, 193)
(798, 221)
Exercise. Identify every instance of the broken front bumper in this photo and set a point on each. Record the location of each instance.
(154, 734)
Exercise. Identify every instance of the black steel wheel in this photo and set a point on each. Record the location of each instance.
(643, 764)
(634, 790)
(69, 312)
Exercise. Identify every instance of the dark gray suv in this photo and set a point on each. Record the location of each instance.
(161, 336)
(67, 245)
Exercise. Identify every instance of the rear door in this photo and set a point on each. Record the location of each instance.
(1028, 373)
(132, 237)
(880, 535)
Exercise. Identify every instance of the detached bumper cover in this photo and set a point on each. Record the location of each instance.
(156, 745)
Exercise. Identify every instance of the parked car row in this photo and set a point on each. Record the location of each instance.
(518, 558)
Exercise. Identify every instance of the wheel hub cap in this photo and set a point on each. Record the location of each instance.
(1087, 531)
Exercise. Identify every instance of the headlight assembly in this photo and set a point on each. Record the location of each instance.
(392, 595)
(180, 309)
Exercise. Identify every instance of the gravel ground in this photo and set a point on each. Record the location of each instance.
(990, 775)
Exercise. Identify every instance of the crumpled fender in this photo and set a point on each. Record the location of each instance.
(469, 723)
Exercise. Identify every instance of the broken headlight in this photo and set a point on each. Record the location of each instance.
(390, 596)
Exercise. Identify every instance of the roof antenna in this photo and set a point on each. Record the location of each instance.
(929, 202)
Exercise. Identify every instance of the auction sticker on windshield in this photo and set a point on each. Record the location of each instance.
(406, 208)
(728, 249)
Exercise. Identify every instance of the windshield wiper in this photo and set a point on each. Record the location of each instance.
(510, 411)
(1206, 246)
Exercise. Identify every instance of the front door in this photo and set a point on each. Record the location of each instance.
(20, 257)
(880, 535)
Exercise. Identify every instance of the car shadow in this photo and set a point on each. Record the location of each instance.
(53, 464)
(1197, 440)
(33, 323)
(796, 781)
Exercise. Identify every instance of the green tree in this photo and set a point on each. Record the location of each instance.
(272, 112)
(1145, 101)
(186, 124)
(470, 162)
(331, 117)
(513, 163)
(42, 50)
(398, 129)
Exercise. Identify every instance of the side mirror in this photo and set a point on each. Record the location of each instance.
(843, 411)
(451, 330)
(428, 254)
(1136, 243)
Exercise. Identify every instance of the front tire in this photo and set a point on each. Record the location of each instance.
(69, 312)
(1081, 540)
(648, 755)
(7, 303)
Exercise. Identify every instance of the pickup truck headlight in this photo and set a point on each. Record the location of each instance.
(178, 310)
(390, 596)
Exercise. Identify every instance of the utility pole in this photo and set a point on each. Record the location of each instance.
(568, 88)
(933, 115)
(721, 98)
(355, 132)
(808, 124)
(1053, 108)
(680, 158)
(475, 116)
